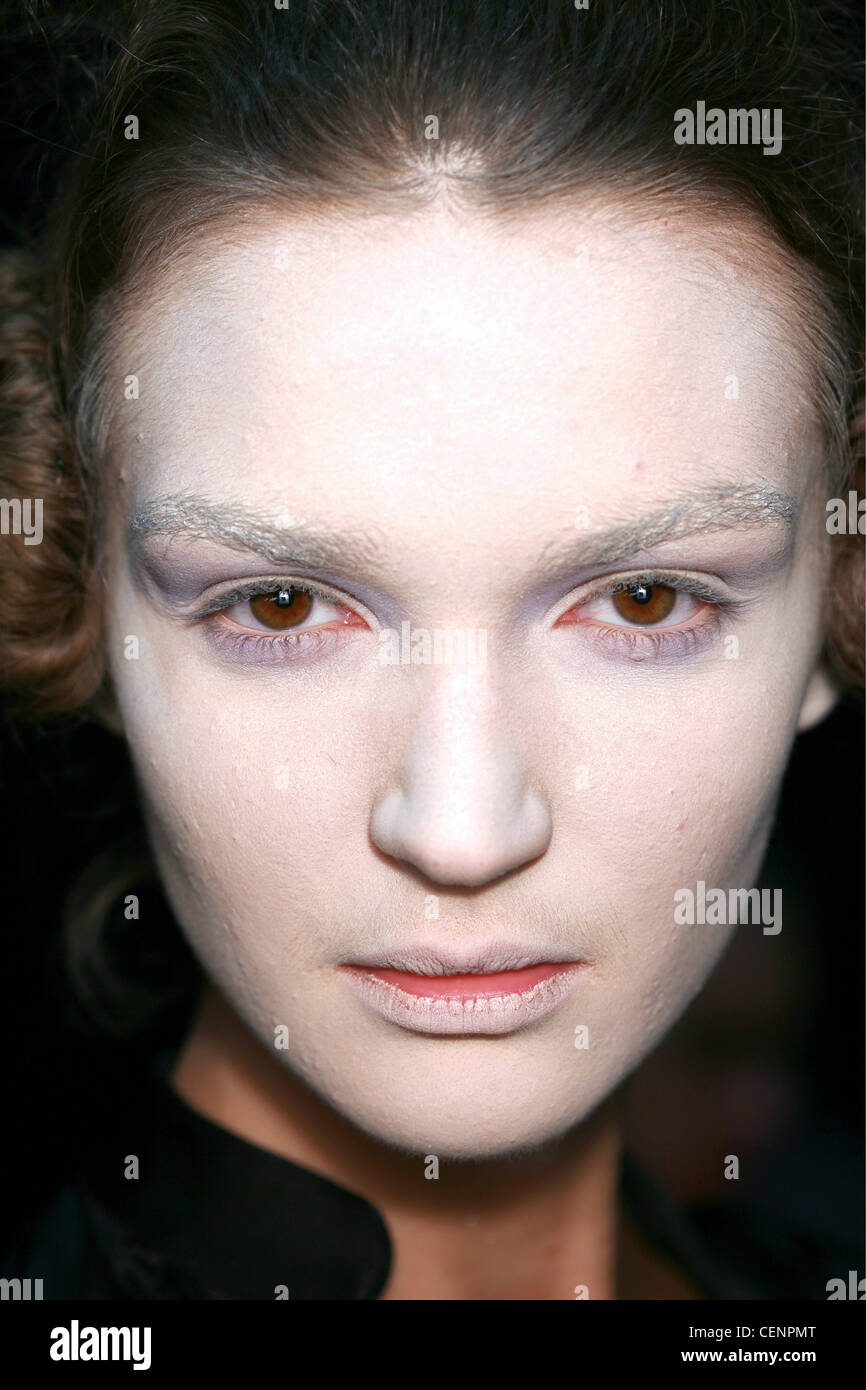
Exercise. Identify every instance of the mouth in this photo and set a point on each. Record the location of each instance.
(495, 990)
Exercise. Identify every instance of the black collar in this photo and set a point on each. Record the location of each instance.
(213, 1211)
(211, 1215)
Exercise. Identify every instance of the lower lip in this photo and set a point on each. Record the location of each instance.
(464, 1004)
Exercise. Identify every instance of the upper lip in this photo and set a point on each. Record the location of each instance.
(485, 958)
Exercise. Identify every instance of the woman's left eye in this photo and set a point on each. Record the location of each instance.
(641, 604)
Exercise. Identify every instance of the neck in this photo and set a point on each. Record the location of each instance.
(531, 1227)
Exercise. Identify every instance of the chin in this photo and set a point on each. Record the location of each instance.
(468, 1116)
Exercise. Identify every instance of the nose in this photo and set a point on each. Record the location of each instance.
(460, 806)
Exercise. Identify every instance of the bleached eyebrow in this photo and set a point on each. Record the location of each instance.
(734, 507)
(238, 528)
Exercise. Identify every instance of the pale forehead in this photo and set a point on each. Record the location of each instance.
(388, 347)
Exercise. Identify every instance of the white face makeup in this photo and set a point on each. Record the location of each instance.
(434, 423)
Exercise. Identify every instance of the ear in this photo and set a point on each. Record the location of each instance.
(821, 695)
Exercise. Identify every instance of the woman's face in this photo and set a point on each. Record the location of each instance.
(473, 431)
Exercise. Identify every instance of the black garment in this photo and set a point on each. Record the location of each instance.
(212, 1216)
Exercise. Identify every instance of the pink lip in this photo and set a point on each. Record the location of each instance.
(492, 1003)
(474, 986)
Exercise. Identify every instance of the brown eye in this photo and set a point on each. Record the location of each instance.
(645, 603)
(282, 609)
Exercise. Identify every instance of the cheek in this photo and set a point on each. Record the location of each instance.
(662, 784)
(251, 810)
(667, 774)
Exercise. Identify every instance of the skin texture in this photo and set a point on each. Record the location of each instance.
(456, 400)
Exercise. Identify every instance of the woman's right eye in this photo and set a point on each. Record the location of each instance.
(284, 608)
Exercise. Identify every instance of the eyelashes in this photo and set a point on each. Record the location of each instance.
(280, 607)
(643, 598)
(642, 622)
